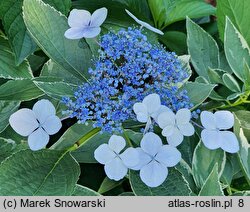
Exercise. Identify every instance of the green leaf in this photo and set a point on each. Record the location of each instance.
(202, 48)
(246, 76)
(6, 109)
(61, 5)
(238, 12)
(244, 153)
(212, 186)
(56, 90)
(108, 185)
(47, 26)
(19, 90)
(7, 147)
(204, 161)
(198, 92)
(174, 185)
(215, 75)
(243, 118)
(85, 154)
(39, 173)
(19, 38)
(236, 49)
(175, 41)
(8, 68)
(84, 191)
(231, 83)
(166, 12)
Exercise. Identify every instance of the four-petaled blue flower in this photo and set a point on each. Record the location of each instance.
(85, 25)
(176, 126)
(37, 124)
(116, 164)
(215, 134)
(154, 159)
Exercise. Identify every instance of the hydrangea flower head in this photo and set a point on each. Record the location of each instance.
(176, 126)
(84, 25)
(128, 69)
(215, 134)
(144, 24)
(116, 164)
(154, 159)
(37, 124)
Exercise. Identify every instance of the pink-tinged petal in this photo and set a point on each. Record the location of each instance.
(229, 142)
(176, 138)
(74, 33)
(130, 157)
(183, 116)
(117, 143)
(168, 130)
(152, 102)
(144, 159)
(43, 109)
(153, 174)
(103, 154)
(98, 17)
(224, 119)
(186, 129)
(211, 139)
(52, 125)
(151, 143)
(166, 119)
(168, 155)
(115, 169)
(79, 18)
(38, 139)
(208, 120)
(91, 32)
(23, 121)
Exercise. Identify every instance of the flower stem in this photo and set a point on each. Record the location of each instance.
(127, 138)
(196, 124)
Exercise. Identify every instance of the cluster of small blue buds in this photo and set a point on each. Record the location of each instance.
(129, 68)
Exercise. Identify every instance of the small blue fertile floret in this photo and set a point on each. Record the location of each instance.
(129, 68)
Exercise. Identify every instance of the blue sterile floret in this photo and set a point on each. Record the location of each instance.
(129, 68)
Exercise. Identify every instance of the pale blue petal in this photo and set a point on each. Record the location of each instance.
(176, 138)
(166, 119)
(91, 32)
(153, 174)
(151, 143)
(168, 155)
(186, 129)
(103, 154)
(115, 169)
(38, 139)
(52, 125)
(152, 102)
(43, 109)
(211, 139)
(142, 23)
(130, 157)
(98, 17)
(229, 142)
(144, 159)
(168, 130)
(208, 120)
(183, 116)
(79, 18)
(74, 33)
(117, 143)
(141, 112)
(162, 109)
(224, 119)
(23, 121)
